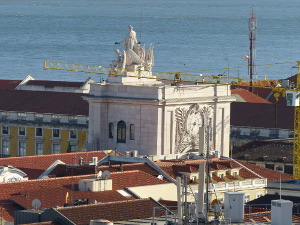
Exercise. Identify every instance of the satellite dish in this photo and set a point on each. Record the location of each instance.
(106, 174)
(36, 203)
(99, 175)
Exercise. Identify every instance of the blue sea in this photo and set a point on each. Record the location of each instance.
(203, 36)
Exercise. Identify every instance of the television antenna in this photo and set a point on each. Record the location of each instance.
(36, 203)
(106, 174)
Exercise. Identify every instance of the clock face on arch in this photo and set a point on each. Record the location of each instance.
(194, 121)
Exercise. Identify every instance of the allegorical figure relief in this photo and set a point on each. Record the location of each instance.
(133, 54)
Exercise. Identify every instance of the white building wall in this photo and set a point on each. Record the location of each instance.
(154, 112)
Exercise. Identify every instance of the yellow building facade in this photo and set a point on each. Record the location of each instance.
(41, 122)
(25, 140)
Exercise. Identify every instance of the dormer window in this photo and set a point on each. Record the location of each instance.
(234, 174)
(221, 175)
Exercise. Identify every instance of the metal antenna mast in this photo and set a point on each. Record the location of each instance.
(252, 48)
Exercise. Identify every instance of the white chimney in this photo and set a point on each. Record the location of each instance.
(281, 212)
(94, 160)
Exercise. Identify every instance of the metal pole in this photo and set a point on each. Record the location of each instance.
(179, 209)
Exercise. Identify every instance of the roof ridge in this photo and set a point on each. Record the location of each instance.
(106, 203)
(50, 155)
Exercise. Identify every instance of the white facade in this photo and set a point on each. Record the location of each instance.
(166, 119)
(134, 111)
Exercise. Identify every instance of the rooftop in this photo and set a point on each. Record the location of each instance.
(265, 150)
(9, 84)
(43, 102)
(244, 95)
(259, 115)
(51, 84)
(52, 192)
(114, 211)
(34, 166)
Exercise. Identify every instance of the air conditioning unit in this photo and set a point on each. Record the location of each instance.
(281, 212)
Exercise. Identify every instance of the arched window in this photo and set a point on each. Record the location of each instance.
(132, 132)
(110, 130)
(121, 134)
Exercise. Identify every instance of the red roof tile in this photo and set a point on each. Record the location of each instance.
(9, 84)
(34, 166)
(249, 96)
(174, 169)
(64, 170)
(271, 175)
(52, 191)
(43, 102)
(115, 211)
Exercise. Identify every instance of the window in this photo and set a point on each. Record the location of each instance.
(39, 148)
(22, 148)
(121, 132)
(39, 132)
(234, 174)
(132, 132)
(221, 175)
(73, 134)
(110, 130)
(55, 133)
(5, 148)
(22, 131)
(5, 130)
(55, 148)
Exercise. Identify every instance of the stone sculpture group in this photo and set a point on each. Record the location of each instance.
(134, 56)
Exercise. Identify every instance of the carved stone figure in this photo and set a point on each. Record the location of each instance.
(130, 39)
(133, 55)
(188, 122)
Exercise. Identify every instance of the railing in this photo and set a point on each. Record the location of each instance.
(4, 156)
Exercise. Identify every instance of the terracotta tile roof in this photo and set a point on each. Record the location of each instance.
(261, 115)
(43, 102)
(50, 197)
(24, 191)
(34, 166)
(248, 96)
(63, 170)
(174, 169)
(271, 175)
(114, 211)
(275, 150)
(51, 84)
(9, 84)
(263, 217)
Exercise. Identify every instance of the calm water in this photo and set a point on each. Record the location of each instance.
(188, 35)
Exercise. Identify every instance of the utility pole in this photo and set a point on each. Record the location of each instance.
(252, 48)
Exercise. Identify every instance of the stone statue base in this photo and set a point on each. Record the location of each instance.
(134, 74)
